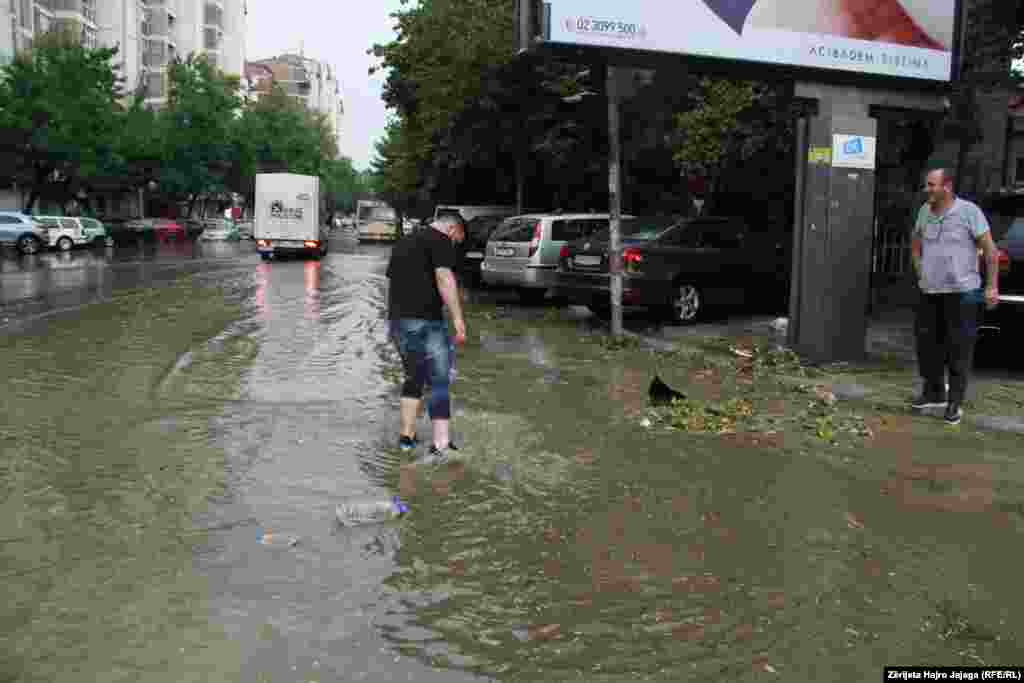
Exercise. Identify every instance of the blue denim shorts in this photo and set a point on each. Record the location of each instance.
(427, 360)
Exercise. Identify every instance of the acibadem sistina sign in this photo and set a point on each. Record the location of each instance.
(902, 38)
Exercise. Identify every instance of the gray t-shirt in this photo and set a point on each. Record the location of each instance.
(949, 253)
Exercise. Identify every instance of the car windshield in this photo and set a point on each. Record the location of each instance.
(639, 229)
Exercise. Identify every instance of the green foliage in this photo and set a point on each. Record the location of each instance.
(279, 134)
(196, 129)
(342, 184)
(690, 415)
(438, 63)
(58, 114)
(709, 131)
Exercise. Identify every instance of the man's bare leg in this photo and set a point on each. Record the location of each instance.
(409, 411)
(441, 435)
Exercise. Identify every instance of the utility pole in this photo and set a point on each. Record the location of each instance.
(614, 201)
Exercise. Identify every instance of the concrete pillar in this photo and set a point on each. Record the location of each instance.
(834, 218)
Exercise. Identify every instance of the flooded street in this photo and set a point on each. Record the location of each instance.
(179, 423)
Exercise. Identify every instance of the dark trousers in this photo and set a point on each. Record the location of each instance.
(947, 329)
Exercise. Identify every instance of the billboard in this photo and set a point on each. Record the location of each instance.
(900, 38)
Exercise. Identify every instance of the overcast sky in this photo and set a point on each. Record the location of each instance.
(338, 32)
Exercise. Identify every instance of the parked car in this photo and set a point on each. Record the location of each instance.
(67, 232)
(167, 229)
(20, 230)
(523, 251)
(221, 230)
(473, 248)
(676, 268)
(1007, 319)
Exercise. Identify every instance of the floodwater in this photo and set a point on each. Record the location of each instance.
(177, 427)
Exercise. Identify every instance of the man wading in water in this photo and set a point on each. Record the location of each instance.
(422, 277)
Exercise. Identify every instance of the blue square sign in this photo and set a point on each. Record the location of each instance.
(854, 146)
(853, 151)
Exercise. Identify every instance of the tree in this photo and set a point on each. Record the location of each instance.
(341, 185)
(58, 104)
(278, 134)
(197, 131)
(432, 78)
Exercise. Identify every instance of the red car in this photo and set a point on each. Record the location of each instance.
(166, 229)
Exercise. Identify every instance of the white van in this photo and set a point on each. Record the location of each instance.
(376, 221)
(287, 216)
(66, 232)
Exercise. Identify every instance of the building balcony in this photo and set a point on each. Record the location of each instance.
(155, 86)
(212, 38)
(158, 23)
(75, 9)
(213, 15)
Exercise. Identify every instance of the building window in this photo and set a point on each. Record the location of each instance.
(211, 40)
(214, 16)
(155, 85)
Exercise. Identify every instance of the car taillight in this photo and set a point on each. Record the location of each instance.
(1004, 261)
(309, 244)
(535, 242)
(563, 253)
(631, 259)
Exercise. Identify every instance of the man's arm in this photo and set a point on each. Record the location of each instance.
(991, 254)
(449, 289)
(915, 254)
(915, 243)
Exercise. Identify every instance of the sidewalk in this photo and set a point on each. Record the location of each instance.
(995, 398)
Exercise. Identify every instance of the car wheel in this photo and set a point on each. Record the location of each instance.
(29, 245)
(532, 296)
(65, 244)
(687, 304)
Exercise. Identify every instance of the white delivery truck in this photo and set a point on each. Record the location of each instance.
(287, 215)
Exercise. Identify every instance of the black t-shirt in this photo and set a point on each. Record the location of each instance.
(413, 292)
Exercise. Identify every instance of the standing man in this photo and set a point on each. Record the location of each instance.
(422, 278)
(947, 235)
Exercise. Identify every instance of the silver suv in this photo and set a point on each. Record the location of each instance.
(523, 251)
(24, 233)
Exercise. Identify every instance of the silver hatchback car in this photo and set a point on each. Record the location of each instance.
(523, 251)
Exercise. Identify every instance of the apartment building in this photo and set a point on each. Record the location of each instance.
(150, 33)
(312, 82)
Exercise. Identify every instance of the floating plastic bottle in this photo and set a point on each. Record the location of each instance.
(370, 510)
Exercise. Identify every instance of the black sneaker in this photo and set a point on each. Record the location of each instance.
(926, 400)
(953, 413)
(407, 443)
(436, 456)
